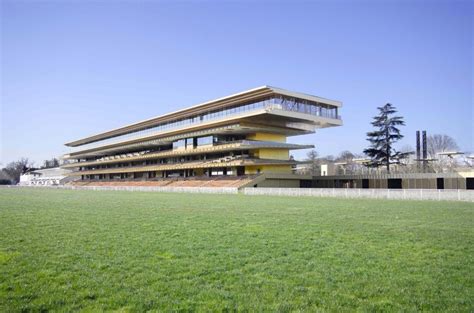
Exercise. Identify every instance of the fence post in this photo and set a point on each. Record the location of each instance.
(459, 195)
(421, 194)
(439, 195)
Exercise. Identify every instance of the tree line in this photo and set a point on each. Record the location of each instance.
(381, 152)
(11, 173)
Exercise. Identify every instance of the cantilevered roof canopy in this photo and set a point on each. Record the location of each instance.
(228, 101)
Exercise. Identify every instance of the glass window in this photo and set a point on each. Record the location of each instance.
(179, 143)
(202, 141)
(189, 143)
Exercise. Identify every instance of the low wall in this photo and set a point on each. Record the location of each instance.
(398, 194)
(222, 190)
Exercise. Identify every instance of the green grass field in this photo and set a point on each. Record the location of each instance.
(63, 250)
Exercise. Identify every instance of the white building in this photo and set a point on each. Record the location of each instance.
(45, 177)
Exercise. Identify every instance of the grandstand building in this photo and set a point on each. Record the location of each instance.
(232, 140)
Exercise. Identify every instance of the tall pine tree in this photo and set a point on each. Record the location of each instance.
(381, 140)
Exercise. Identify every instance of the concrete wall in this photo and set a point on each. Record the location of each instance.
(455, 183)
(420, 183)
(399, 194)
(279, 183)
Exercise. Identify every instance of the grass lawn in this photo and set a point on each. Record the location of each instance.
(63, 250)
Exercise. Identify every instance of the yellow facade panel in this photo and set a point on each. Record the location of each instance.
(267, 137)
(255, 169)
(273, 154)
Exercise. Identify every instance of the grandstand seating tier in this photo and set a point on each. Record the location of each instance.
(213, 182)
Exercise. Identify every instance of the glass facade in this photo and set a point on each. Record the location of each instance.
(202, 141)
(179, 144)
(274, 103)
(189, 143)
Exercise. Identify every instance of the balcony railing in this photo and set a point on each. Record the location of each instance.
(274, 103)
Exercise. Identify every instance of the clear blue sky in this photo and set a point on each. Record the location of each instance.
(72, 69)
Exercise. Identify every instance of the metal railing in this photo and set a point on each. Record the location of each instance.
(353, 193)
(274, 103)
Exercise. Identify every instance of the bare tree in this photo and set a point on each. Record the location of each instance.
(345, 156)
(5, 178)
(440, 143)
(347, 166)
(406, 162)
(50, 163)
(15, 169)
(312, 158)
(328, 159)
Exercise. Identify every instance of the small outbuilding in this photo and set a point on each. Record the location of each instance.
(45, 177)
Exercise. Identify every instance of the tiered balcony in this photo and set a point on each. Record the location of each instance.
(197, 181)
(219, 147)
(267, 106)
(213, 163)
